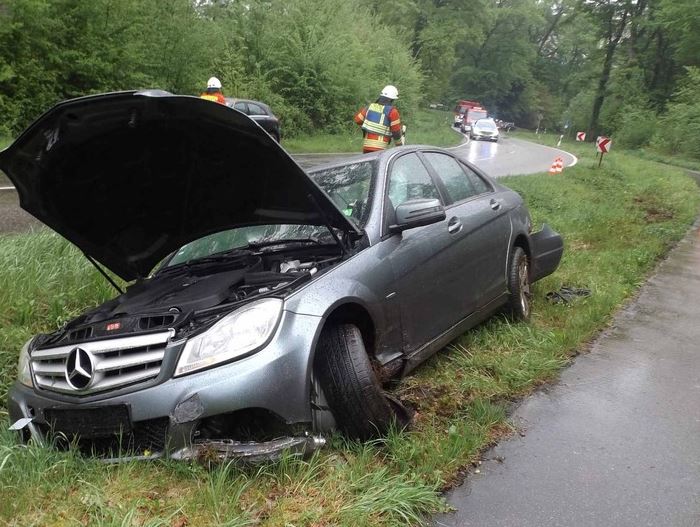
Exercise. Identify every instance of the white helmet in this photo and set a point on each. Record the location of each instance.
(213, 82)
(390, 92)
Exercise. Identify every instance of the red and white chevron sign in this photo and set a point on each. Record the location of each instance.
(603, 144)
(580, 136)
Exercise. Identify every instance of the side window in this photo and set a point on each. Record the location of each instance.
(256, 109)
(409, 179)
(479, 184)
(458, 185)
(241, 106)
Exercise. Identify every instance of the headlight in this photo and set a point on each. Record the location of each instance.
(24, 372)
(234, 335)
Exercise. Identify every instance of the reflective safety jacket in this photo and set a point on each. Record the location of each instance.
(380, 123)
(216, 96)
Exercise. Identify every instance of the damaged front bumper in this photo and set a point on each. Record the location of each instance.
(192, 416)
(212, 451)
(223, 450)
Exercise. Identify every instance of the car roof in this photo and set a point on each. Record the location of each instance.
(234, 100)
(381, 156)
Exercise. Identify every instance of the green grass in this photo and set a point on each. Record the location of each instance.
(4, 141)
(429, 127)
(569, 144)
(653, 155)
(617, 221)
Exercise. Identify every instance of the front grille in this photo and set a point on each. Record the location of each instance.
(80, 334)
(104, 364)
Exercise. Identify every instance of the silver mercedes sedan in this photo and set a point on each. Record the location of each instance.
(266, 306)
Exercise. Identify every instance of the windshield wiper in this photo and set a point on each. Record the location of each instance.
(283, 241)
(205, 260)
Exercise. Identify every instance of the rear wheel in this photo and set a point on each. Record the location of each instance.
(354, 394)
(519, 286)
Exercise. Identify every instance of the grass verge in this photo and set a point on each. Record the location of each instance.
(617, 222)
(551, 139)
(429, 127)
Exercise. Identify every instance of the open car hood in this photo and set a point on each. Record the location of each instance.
(130, 177)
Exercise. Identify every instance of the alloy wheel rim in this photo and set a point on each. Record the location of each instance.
(524, 282)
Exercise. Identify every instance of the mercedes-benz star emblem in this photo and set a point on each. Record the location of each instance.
(79, 369)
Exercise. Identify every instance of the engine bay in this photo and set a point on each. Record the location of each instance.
(190, 296)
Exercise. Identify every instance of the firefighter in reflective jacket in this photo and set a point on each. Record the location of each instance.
(213, 91)
(380, 122)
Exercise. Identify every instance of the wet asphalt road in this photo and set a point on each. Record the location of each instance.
(510, 156)
(616, 442)
(507, 157)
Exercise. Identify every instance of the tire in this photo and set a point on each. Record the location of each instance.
(519, 286)
(351, 387)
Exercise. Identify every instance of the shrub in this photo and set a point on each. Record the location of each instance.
(637, 127)
(678, 131)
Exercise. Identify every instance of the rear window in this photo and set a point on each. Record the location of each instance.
(256, 109)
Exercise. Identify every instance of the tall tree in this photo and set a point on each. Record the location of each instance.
(612, 17)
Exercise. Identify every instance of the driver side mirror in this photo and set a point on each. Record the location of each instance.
(417, 213)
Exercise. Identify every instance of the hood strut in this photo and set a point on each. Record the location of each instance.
(102, 272)
(328, 225)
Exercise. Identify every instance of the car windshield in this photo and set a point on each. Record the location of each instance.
(486, 125)
(474, 115)
(347, 185)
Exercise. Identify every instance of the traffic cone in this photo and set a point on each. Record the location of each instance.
(557, 166)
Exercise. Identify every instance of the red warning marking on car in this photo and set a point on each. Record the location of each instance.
(112, 326)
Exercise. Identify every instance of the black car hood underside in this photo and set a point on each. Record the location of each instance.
(130, 177)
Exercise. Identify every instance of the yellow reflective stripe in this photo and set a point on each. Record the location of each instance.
(211, 98)
(375, 143)
(375, 128)
(394, 123)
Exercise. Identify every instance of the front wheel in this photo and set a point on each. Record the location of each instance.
(519, 286)
(355, 397)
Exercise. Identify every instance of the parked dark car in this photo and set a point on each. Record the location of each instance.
(258, 112)
(265, 303)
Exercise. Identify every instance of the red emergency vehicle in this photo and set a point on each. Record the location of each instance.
(471, 116)
(462, 108)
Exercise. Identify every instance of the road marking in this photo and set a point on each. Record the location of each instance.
(556, 149)
(7, 188)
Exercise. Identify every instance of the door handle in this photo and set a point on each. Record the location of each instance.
(495, 205)
(454, 225)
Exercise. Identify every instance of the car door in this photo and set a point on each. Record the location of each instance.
(481, 240)
(428, 304)
(260, 115)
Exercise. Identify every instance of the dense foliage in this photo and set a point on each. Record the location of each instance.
(621, 67)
